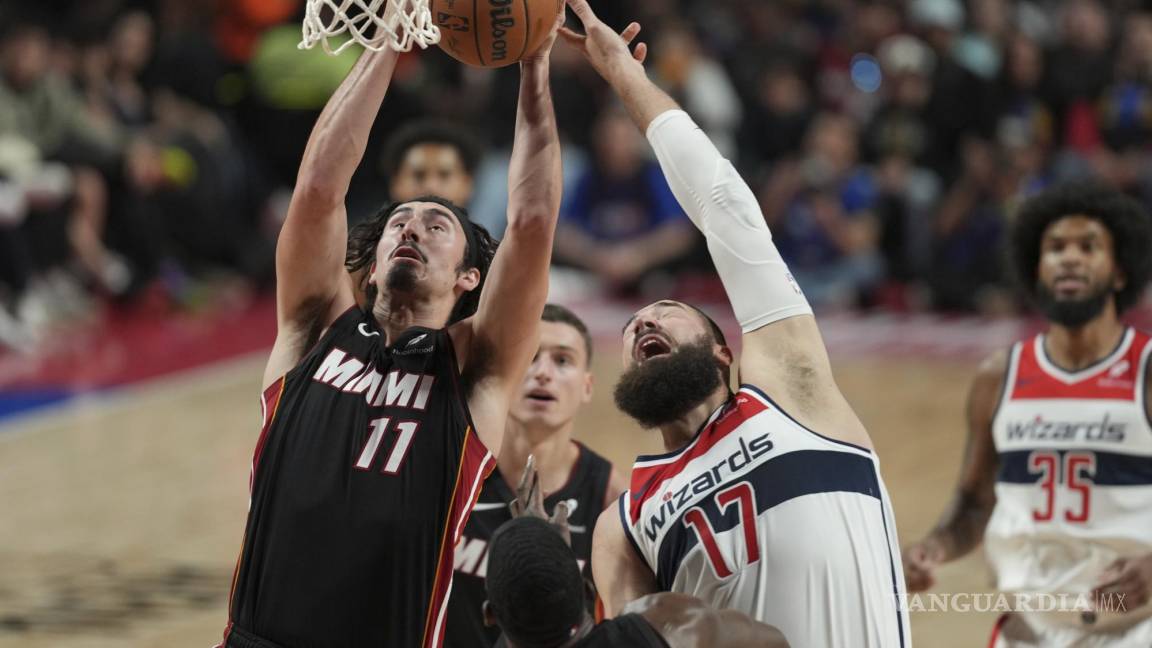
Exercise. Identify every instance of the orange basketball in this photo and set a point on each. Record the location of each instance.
(493, 33)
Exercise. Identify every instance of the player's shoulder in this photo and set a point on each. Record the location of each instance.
(994, 366)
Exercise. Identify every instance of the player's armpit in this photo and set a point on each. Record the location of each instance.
(620, 574)
(787, 359)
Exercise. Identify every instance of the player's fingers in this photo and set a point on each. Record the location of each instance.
(560, 513)
(583, 11)
(572, 37)
(526, 478)
(630, 32)
(640, 53)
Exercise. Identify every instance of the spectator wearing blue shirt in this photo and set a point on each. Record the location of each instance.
(821, 211)
(620, 221)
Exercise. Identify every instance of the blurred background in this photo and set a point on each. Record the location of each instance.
(147, 154)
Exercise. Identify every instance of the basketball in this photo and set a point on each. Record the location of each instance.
(492, 33)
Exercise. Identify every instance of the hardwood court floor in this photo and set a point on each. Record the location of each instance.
(120, 518)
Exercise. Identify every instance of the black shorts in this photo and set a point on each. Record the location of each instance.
(238, 638)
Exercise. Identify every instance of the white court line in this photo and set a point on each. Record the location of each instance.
(166, 388)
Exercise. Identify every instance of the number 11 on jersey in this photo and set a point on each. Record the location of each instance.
(406, 431)
(743, 496)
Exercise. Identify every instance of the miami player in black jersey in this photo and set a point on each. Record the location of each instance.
(379, 417)
(540, 425)
(535, 596)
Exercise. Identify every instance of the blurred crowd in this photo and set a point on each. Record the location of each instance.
(148, 147)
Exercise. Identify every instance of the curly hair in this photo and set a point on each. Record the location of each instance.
(479, 249)
(1126, 220)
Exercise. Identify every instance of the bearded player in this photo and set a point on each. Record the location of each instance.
(1057, 477)
(569, 474)
(768, 501)
(381, 418)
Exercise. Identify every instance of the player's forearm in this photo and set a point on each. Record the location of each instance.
(642, 98)
(340, 136)
(534, 174)
(962, 528)
(724, 209)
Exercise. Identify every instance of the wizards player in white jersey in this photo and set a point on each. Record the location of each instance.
(768, 501)
(1058, 473)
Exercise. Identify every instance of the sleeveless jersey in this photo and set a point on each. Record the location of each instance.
(760, 514)
(585, 492)
(1074, 489)
(363, 477)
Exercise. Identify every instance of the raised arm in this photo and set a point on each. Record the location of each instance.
(503, 333)
(961, 527)
(312, 286)
(782, 348)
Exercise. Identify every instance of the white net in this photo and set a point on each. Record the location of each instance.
(375, 24)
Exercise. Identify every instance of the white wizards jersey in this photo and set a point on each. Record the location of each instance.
(761, 515)
(1074, 489)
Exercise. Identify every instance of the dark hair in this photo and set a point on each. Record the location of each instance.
(414, 134)
(1123, 217)
(534, 585)
(561, 315)
(479, 249)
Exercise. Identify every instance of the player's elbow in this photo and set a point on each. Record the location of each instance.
(318, 191)
(531, 223)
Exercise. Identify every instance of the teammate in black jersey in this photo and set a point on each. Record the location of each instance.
(540, 424)
(379, 417)
(535, 596)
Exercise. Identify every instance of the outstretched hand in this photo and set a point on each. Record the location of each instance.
(544, 49)
(530, 502)
(606, 50)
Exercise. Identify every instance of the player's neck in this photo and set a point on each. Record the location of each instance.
(1077, 348)
(554, 451)
(680, 432)
(396, 314)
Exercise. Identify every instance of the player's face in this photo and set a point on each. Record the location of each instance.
(421, 251)
(659, 329)
(1077, 262)
(558, 382)
(432, 170)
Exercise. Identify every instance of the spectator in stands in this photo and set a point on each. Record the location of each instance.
(821, 211)
(620, 222)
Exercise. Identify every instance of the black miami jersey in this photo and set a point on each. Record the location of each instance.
(364, 474)
(585, 493)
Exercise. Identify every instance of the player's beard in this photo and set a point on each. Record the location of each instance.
(667, 387)
(1074, 313)
(400, 278)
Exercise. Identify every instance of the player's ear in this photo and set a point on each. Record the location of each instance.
(588, 383)
(724, 354)
(489, 615)
(468, 279)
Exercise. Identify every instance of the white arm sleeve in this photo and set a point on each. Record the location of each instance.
(723, 208)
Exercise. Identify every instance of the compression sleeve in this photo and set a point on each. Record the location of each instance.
(723, 208)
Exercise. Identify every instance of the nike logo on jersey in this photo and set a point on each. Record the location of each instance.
(363, 328)
(489, 506)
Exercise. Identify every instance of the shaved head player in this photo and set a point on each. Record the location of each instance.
(769, 500)
(381, 418)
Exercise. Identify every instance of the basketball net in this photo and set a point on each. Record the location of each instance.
(375, 24)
